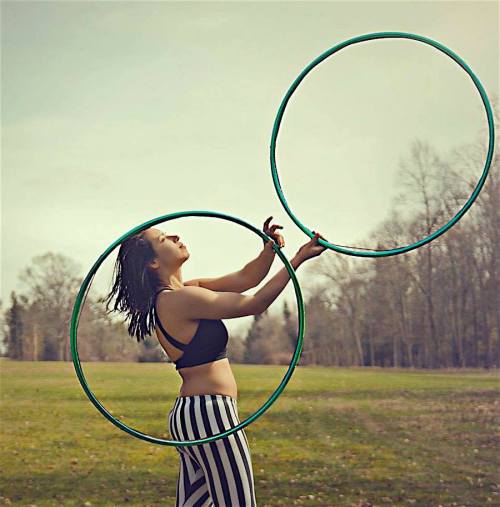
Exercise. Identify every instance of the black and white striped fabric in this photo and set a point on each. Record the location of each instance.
(216, 473)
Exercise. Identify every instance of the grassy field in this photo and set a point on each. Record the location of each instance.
(336, 436)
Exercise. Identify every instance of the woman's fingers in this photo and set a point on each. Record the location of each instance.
(272, 230)
(318, 235)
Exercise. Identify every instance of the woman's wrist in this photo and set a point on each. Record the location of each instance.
(296, 261)
(269, 244)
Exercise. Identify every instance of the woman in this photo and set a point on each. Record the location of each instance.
(187, 319)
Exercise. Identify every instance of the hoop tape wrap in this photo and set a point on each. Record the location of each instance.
(461, 212)
(86, 283)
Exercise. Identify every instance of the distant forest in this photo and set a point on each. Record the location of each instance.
(437, 306)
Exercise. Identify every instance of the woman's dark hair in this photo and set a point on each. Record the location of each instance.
(135, 285)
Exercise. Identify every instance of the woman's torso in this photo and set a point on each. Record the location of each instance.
(215, 377)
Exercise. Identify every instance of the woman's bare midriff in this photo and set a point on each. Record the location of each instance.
(215, 377)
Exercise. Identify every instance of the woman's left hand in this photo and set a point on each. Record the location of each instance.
(271, 231)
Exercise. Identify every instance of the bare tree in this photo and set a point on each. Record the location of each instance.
(52, 283)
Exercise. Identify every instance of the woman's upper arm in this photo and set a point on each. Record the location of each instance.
(194, 302)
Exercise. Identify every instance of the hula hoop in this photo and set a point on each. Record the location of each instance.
(461, 212)
(86, 284)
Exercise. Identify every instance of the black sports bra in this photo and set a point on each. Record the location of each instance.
(208, 344)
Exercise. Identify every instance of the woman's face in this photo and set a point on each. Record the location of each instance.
(170, 251)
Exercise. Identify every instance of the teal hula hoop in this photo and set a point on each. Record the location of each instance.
(461, 212)
(86, 284)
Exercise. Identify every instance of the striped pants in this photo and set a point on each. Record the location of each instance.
(217, 473)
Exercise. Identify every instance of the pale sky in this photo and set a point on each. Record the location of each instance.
(114, 113)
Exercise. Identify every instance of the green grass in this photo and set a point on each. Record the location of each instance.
(342, 437)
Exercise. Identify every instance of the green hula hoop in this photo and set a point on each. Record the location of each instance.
(461, 212)
(86, 283)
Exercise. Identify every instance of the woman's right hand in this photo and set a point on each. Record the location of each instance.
(312, 248)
